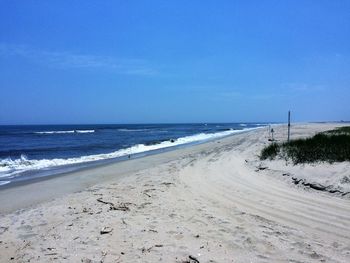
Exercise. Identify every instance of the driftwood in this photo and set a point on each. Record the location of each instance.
(106, 230)
(193, 259)
(147, 194)
(144, 250)
(112, 206)
(167, 184)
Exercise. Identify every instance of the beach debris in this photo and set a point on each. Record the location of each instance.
(144, 250)
(261, 168)
(149, 190)
(112, 206)
(122, 207)
(296, 180)
(315, 186)
(147, 194)
(318, 187)
(196, 236)
(192, 259)
(106, 230)
(104, 202)
(3, 229)
(85, 210)
(104, 254)
(149, 230)
(167, 183)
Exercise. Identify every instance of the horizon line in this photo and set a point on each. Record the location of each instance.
(156, 123)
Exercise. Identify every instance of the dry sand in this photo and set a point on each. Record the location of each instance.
(214, 202)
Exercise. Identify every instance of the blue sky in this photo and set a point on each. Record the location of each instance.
(173, 61)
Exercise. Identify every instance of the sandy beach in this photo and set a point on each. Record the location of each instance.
(214, 202)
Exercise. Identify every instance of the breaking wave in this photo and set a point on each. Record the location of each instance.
(63, 132)
(11, 167)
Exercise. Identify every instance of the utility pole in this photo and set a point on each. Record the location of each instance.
(288, 125)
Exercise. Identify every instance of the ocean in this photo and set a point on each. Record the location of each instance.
(33, 151)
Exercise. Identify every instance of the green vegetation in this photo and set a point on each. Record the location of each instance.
(270, 152)
(340, 130)
(330, 146)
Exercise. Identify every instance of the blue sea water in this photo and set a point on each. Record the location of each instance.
(39, 150)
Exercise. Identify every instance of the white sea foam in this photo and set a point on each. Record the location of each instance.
(85, 131)
(54, 132)
(4, 182)
(243, 125)
(10, 167)
(63, 132)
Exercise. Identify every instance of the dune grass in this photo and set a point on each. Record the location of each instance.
(340, 130)
(270, 152)
(330, 146)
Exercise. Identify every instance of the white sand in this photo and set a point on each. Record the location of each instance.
(209, 202)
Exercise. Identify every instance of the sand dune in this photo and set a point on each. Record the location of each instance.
(207, 203)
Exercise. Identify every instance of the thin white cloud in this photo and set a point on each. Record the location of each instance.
(240, 96)
(301, 87)
(80, 61)
(227, 95)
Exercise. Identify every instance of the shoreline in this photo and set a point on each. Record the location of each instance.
(36, 190)
(36, 175)
(215, 202)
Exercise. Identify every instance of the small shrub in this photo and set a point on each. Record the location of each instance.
(270, 152)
